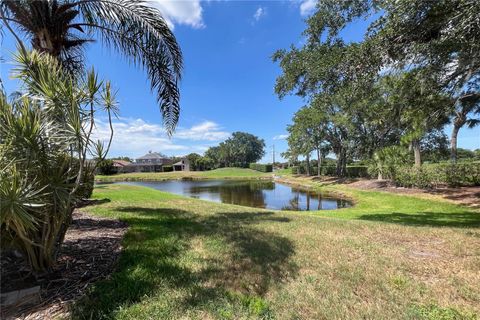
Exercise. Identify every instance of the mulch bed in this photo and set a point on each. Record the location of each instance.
(90, 252)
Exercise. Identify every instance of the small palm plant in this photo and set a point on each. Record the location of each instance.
(62, 28)
(45, 138)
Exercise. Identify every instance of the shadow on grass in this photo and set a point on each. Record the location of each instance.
(429, 219)
(92, 202)
(239, 257)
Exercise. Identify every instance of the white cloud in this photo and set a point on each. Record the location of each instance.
(135, 137)
(307, 7)
(181, 12)
(205, 131)
(280, 137)
(261, 12)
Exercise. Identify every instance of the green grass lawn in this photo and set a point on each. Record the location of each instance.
(389, 257)
(223, 173)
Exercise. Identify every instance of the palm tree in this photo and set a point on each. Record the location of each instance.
(61, 28)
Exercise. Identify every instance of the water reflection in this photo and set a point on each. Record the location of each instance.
(258, 194)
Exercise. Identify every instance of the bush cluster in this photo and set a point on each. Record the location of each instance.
(106, 167)
(261, 167)
(167, 168)
(439, 174)
(357, 172)
(352, 171)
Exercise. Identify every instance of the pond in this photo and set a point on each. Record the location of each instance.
(258, 194)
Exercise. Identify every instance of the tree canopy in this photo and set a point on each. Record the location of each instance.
(416, 69)
(239, 150)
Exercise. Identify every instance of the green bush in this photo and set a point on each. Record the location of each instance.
(85, 189)
(328, 170)
(386, 161)
(302, 169)
(439, 174)
(105, 167)
(167, 168)
(261, 167)
(352, 171)
(357, 172)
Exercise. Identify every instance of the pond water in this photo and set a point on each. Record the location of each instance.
(258, 194)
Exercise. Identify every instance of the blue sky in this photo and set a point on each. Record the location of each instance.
(228, 79)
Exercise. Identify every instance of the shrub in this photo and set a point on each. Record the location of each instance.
(167, 168)
(40, 180)
(261, 167)
(352, 171)
(357, 172)
(439, 174)
(302, 168)
(85, 189)
(386, 161)
(105, 167)
(328, 170)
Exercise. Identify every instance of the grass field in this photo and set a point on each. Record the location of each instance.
(223, 173)
(389, 257)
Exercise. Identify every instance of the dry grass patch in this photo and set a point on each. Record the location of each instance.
(197, 260)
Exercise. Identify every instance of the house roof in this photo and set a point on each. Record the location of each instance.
(152, 155)
(179, 163)
(121, 163)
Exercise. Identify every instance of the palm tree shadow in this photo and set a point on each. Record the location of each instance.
(157, 241)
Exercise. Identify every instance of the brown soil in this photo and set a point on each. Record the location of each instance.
(90, 251)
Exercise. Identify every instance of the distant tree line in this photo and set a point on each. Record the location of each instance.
(239, 150)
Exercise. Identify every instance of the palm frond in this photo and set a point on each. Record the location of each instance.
(141, 34)
(132, 27)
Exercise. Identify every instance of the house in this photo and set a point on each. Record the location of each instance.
(182, 165)
(122, 166)
(151, 162)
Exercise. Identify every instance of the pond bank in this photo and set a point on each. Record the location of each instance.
(224, 173)
(466, 196)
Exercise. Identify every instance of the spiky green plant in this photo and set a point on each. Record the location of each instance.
(45, 138)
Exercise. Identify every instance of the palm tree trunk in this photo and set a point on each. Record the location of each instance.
(42, 42)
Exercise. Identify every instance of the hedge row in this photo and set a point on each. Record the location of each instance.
(436, 175)
(261, 167)
(352, 171)
(167, 168)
